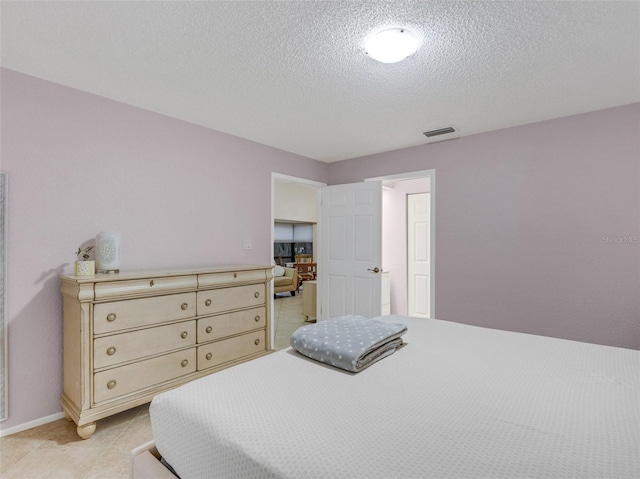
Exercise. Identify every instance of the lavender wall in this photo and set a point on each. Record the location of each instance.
(521, 216)
(537, 227)
(179, 194)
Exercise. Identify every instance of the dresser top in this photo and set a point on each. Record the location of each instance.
(161, 273)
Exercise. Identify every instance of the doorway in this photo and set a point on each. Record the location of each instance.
(295, 206)
(394, 237)
(408, 246)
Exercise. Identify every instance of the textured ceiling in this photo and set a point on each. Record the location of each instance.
(292, 74)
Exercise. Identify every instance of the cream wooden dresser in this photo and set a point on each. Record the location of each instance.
(130, 336)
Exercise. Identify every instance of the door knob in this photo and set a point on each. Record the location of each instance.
(374, 270)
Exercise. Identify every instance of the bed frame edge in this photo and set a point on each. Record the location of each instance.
(144, 463)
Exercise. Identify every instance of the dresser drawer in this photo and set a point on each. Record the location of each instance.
(226, 299)
(133, 377)
(114, 289)
(118, 348)
(133, 313)
(216, 327)
(231, 277)
(220, 352)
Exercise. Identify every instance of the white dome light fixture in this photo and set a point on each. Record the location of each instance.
(392, 45)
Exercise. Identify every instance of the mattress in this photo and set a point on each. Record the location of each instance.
(456, 401)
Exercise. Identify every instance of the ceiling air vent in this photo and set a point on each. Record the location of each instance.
(441, 131)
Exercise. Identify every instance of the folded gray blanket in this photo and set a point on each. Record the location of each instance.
(348, 342)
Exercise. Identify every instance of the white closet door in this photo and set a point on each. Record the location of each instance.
(418, 252)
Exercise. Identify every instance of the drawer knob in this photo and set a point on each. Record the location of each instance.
(257, 318)
(235, 275)
(209, 329)
(256, 342)
(256, 295)
(111, 317)
(184, 306)
(207, 302)
(111, 384)
(111, 351)
(184, 334)
(151, 283)
(209, 356)
(184, 363)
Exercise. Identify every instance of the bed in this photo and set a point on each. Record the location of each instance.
(455, 401)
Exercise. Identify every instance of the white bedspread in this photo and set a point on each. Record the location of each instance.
(456, 401)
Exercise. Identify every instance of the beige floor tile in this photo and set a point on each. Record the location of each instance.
(137, 434)
(9, 458)
(114, 461)
(61, 462)
(112, 464)
(287, 317)
(54, 450)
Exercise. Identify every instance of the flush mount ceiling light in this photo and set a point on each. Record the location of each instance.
(392, 45)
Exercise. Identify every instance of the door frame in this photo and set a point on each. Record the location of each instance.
(302, 181)
(431, 174)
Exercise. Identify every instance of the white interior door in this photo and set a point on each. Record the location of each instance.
(351, 249)
(418, 254)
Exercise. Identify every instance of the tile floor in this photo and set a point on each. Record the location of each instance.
(287, 312)
(55, 451)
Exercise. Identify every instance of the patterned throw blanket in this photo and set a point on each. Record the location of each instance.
(348, 342)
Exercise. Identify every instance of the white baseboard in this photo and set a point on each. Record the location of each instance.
(31, 424)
